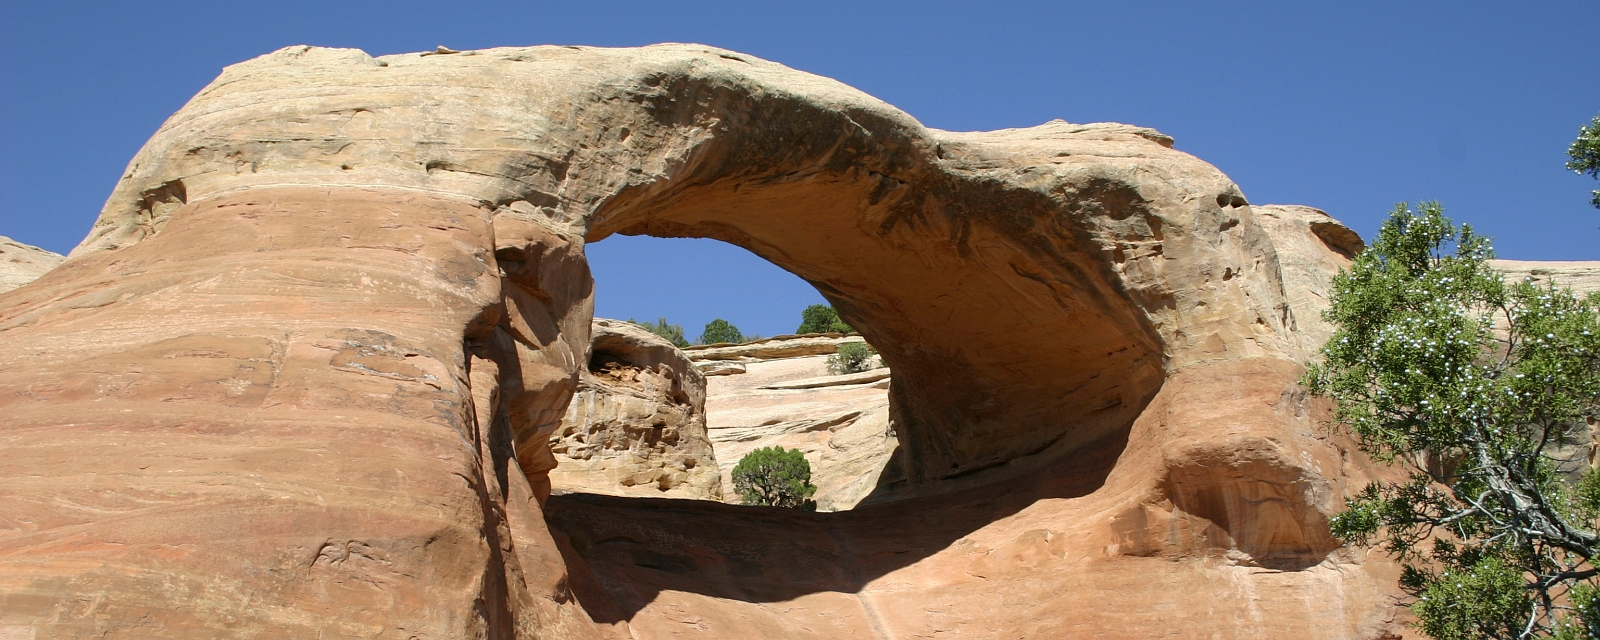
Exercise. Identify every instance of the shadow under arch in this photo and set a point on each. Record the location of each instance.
(625, 551)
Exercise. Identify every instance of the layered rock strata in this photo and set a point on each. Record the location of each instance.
(23, 263)
(840, 422)
(637, 422)
(385, 309)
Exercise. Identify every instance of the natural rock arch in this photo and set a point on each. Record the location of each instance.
(388, 251)
(1031, 261)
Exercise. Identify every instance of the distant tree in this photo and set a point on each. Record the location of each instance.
(852, 357)
(720, 330)
(821, 318)
(670, 332)
(775, 477)
(1585, 154)
(1469, 384)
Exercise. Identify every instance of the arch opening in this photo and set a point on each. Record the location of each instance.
(1007, 342)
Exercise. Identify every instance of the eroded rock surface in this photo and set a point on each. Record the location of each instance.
(637, 422)
(23, 263)
(301, 378)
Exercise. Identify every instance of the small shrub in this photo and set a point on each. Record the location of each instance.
(821, 318)
(775, 477)
(670, 332)
(853, 357)
(720, 330)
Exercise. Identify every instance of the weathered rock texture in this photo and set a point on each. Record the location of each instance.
(301, 378)
(637, 423)
(23, 263)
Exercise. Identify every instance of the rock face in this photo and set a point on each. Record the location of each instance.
(23, 263)
(840, 422)
(1311, 248)
(637, 422)
(385, 309)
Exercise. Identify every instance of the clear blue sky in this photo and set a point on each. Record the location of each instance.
(1346, 106)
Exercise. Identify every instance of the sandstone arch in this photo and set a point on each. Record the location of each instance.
(372, 295)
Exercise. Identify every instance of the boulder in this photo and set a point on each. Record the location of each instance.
(23, 263)
(637, 422)
(711, 368)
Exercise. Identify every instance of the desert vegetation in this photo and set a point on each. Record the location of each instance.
(775, 477)
(1471, 385)
(821, 318)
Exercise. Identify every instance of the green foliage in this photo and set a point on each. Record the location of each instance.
(1442, 368)
(775, 477)
(671, 332)
(852, 357)
(720, 330)
(1585, 154)
(821, 318)
(1482, 600)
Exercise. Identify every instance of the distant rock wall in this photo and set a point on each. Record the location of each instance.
(1582, 276)
(784, 395)
(22, 263)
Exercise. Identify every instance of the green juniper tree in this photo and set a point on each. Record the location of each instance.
(1470, 385)
(670, 332)
(1585, 154)
(821, 318)
(775, 477)
(852, 357)
(720, 330)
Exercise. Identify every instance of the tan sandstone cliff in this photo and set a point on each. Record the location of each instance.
(301, 378)
(23, 263)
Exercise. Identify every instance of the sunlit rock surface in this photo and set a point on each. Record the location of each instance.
(23, 263)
